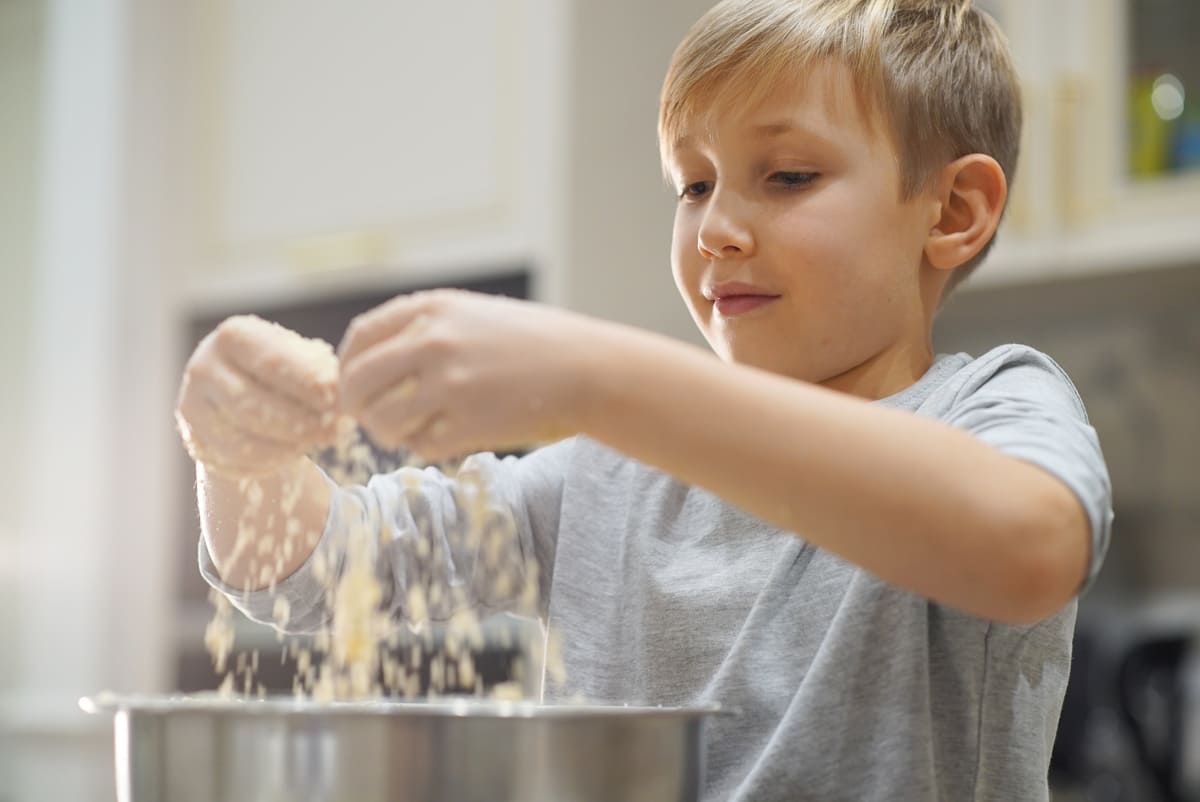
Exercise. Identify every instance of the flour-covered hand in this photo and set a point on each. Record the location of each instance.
(447, 372)
(255, 397)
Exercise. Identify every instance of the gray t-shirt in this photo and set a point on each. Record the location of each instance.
(844, 687)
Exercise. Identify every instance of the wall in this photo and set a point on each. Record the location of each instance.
(58, 640)
(20, 70)
(618, 232)
(21, 28)
(20, 61)
(96, 395)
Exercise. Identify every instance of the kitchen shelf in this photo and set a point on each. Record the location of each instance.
(1148, 245)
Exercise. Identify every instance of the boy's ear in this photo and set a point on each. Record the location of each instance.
(970, 193)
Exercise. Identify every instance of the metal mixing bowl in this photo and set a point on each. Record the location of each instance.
(458, 750)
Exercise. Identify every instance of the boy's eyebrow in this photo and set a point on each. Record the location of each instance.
(766, 131)
(774, 129)
(682, 141)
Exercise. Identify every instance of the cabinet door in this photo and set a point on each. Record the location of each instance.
(336, 135)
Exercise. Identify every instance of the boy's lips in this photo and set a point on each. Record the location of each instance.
(735, 297)
(737, 304)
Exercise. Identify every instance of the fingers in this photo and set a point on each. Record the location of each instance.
(434, 442)
(260, 411)
(402, 313)
(382, 370)
(396, 416)
(222, 446)
(303, 369)
(255, 396)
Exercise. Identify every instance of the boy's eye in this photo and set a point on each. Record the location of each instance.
(789, 179)
(695, 190)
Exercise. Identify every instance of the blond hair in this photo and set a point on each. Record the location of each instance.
(936, 73)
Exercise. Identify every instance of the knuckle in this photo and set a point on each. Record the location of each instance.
(191, 391)
(183, 419)
(203, 351)
(435, 301)
(355, 330)
(458, 378)
(184, 403)
(439, 341)
(195, 375)
(226, 332)
(185, 391)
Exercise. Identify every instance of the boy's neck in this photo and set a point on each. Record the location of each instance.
(886, 373)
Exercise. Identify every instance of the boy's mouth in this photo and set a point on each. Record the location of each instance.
(736, 298)
(737, 304)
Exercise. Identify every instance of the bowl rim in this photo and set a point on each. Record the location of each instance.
(442, 707)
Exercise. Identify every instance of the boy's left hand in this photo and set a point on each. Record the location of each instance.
(447, 372)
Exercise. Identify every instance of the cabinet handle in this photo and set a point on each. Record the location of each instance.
(344, 250)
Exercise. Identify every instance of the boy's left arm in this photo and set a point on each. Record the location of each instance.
(916, 502)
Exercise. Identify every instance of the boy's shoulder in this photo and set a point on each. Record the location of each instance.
(1007, 375)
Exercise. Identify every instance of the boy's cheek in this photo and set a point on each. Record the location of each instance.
(687, 282)
(698, 305)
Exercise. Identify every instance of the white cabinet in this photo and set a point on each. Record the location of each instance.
(1110, 170)
(329, 143)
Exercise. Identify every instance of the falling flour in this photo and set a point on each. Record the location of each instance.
(362, 651)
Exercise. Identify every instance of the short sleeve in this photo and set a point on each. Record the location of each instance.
(1020, 401)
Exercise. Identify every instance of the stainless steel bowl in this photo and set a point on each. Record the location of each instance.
(213, 750)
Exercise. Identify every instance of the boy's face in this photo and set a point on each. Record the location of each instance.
(792, 248)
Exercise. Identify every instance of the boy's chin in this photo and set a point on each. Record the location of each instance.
(791, 366)
(752, 358)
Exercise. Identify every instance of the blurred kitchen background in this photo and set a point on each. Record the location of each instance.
(165, 164)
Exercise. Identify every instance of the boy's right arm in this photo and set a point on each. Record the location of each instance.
(484, 538)
(236, 517)
(255, 398)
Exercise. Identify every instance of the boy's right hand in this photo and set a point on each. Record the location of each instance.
(255, 397)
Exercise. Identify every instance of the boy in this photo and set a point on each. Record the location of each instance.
(869, 552)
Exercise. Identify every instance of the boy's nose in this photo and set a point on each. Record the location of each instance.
(723, 235)
(722, 252)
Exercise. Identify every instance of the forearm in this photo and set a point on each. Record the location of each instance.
(916, 502)
(260, 532)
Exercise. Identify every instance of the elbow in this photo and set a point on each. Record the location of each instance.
(1052, 539)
